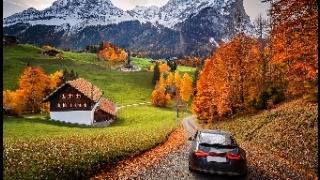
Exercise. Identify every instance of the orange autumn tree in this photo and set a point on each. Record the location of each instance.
(170, 79)
(14, 100)
(159, 97)
(202, 104)
(110, 52)
(294, 42)
(228, 80)
(171, 85)
(177, 80)
(164, 68)
(55, 79)
(186, 88)
(34, 85)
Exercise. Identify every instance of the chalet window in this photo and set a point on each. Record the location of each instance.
(70, 104)
(78, 96)
(75, 105)
(79, 105)
(64, 105)
(59, 106)
(70, 96)
(63, 96)
(85, 105)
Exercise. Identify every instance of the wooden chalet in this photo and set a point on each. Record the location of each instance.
(80, 102)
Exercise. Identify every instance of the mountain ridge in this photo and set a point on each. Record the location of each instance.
(179, 27)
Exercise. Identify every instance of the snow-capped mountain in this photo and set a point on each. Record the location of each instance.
(177, 11)
(179, 27)
(78, 13)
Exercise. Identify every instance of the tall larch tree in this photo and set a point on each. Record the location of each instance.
(159, 96)
(294, 42)
(186, 89)
(156, 74)
(177, 80)
(202, 104)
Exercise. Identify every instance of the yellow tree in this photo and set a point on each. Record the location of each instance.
(163, 68)
(186, 88)
(159, 96)
(170, 79)
(15, 100)
(202, 104)
(177, 80)
(55, 79)
(34, 83)
(112, 53)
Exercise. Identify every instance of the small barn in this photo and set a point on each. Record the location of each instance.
(80, 102)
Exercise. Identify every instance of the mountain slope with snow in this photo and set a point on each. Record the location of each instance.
(78, 13)
(180, 27)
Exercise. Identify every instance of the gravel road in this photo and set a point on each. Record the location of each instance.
(175, 164)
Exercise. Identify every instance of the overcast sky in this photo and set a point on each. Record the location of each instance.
(253, 7)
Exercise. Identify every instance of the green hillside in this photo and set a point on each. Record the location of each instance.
(122, 88)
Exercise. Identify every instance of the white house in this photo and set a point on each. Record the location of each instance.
(80, 102)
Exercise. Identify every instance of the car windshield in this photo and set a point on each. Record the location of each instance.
(214, 139)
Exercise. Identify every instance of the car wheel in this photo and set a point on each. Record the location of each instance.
(244, 174)
(190, 169)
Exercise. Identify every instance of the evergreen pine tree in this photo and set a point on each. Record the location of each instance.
(156, 74)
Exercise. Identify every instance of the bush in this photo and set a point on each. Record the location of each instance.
(275, 94)
(50, 51)
(312, 91)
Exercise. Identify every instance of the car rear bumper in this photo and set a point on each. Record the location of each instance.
(217, 172)
(228, 168)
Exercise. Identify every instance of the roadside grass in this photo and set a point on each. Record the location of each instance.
(289, 130)
(39, 148)
(120, 87)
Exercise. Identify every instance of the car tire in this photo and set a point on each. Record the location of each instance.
(244, 175)
(190, 169)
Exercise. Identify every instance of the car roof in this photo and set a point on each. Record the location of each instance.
(214, 131)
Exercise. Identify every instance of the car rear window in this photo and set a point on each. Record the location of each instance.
(212, 139)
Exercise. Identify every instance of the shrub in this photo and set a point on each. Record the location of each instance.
(275, 94)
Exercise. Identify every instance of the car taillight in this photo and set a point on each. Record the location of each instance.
(233, 156)
(200, 153)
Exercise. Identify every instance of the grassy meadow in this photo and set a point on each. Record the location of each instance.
(44, 149)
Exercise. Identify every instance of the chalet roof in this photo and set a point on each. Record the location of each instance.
(87, 88)
(107, 106)
(84, 86)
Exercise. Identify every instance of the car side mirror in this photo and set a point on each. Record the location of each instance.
(190, 139)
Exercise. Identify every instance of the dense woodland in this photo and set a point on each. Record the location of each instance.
(249, 73)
